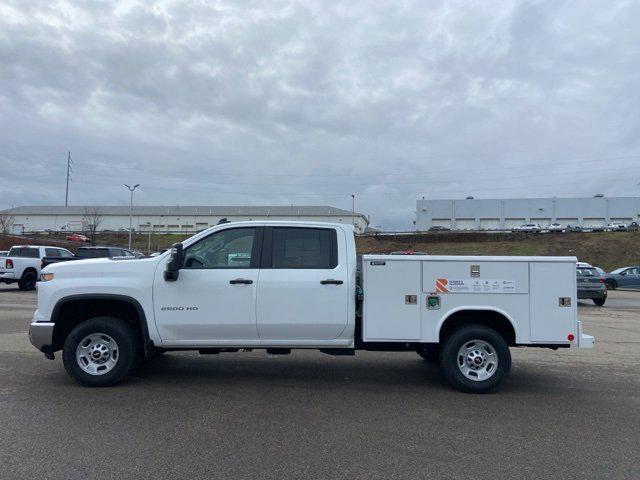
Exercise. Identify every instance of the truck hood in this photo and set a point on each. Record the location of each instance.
(97, 266)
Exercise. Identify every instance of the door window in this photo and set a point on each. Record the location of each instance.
(65, 253)
(231, 248)
(52, 252)
(310, 248)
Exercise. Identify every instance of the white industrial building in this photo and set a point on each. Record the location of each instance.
(179, 219)
(503, 214)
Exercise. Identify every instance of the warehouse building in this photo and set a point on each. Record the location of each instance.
(179, 219)
(504, 214)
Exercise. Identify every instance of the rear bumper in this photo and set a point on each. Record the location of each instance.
(10, 276)
(586, 294)
(584, 340)
(41, 334)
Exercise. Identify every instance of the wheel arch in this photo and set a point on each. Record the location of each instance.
(491, 317)
(85, 306)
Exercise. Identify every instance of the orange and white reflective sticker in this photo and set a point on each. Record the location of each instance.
(441, 285)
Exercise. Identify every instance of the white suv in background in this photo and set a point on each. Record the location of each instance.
(529, 227)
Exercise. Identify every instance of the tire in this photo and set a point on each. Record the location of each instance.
(611, 284)
(28, 281)
(99, 335)
(431, 353)
(479, 342)
(599, 301)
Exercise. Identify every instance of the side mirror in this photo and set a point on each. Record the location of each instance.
(174, 264)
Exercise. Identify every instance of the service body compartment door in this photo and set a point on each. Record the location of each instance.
(550, 282)
(391, 300)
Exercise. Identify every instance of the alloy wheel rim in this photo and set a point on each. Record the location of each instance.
(97, 354)
(477, 360)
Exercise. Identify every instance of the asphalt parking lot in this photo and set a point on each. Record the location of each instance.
(564, 414)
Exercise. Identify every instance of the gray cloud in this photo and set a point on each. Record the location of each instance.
(308, 102)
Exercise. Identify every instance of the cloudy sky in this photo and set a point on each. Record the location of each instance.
(281, 102)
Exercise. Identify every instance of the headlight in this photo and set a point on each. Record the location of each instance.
(46, 277)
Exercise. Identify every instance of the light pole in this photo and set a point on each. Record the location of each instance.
(131, 189)
(149, 245)
(353, 210)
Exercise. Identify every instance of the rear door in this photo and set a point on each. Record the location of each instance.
(303, 291)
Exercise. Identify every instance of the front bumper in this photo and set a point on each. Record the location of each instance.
(41, 333)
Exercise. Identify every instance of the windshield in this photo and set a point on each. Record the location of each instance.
(618, 270)
(587, 272)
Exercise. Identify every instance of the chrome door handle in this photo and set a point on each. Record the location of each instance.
(240, 281)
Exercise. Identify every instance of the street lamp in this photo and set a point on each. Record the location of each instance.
(149, 245)
(131, 189)
(353, 210)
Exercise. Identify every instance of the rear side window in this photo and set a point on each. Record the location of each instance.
(65, 253)
(26, 252)
(313, 248)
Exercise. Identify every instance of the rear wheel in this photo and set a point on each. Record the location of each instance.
(611, 284)
(28, 281)
(475, 359)
(599, 301)
(100, 352)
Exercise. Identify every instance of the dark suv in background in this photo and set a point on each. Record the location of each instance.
(591, 285)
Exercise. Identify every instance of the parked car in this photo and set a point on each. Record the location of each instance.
(597, 228)
(77, 237)
(575, 228)
(617, 227)
(529, 228)
(439, 228)
(628, 277)
(22, 264)
(633, 227)
(89, 252)
(555, 228)
(591, 285)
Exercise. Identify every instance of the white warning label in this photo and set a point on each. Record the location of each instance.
(474, 285)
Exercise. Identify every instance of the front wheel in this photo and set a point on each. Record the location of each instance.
(475, 359)
(100, 352)
(599, 301)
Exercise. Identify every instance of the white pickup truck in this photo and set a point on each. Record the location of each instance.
(290, 285)
(22, 264)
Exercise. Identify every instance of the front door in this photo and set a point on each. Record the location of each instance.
(303, 292)
(213, 300)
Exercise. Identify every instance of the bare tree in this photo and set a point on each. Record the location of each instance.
(6, 222)
(93, 219)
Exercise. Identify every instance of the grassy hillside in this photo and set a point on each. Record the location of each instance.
(608, 250)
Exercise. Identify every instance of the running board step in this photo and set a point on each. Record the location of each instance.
(338, 351)
(278, 351)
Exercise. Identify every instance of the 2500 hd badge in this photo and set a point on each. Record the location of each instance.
(179, 309)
